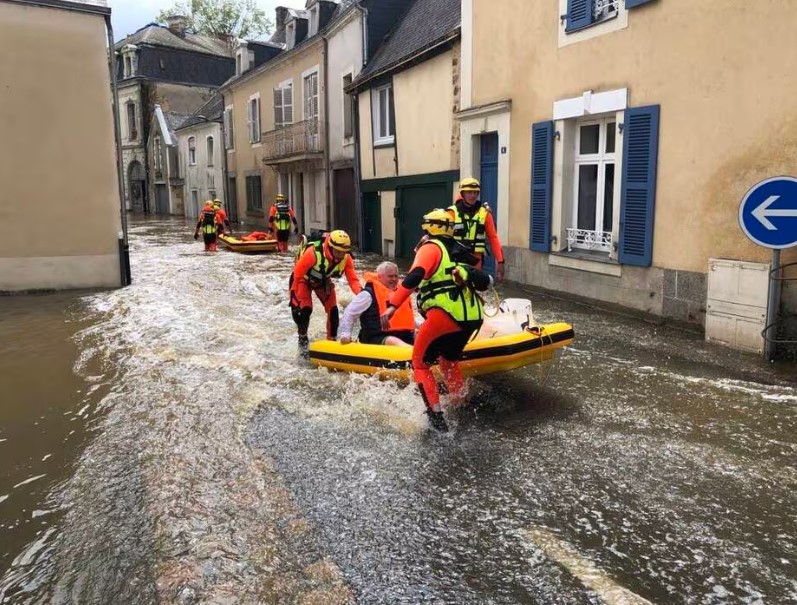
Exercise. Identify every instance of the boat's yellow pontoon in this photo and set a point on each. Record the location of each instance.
(248, 247)
(490, 352)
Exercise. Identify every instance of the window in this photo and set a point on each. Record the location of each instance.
(128, 67)
(254, 119)
(229, 133)
(157, 149)
(313, 25)
(191, 151)
(384, 124)
(283, 104)
(210, 151)
(594, 192)
(195, 201)
(238, 66)
(583, 13)
(347, 108)
(290, 35)
(132, 131)
(212, 194)
(254, 195)
(310, 91)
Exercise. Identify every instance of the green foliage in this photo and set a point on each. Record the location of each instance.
(222, 18)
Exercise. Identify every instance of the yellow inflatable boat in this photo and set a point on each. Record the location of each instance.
(485, 355)
(248, 247)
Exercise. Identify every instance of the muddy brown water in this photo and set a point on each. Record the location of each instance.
(161, 443)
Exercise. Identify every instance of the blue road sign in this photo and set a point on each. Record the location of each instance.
(768, 213)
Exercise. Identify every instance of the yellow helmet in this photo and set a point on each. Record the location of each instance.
(438, 222)
(217, 203)
(280, 197)
(469, 184)
(339, 240)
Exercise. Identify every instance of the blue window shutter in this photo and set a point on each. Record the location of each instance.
(579, 14)
(541, 185)
(638, 191)
(635, 3)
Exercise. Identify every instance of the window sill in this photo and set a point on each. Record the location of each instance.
(593, 24)
(391, 142)
(256, 144)
(585, 260)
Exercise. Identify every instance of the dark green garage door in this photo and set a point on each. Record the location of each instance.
(411, 204)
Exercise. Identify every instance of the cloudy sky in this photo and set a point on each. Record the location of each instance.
(130, 15)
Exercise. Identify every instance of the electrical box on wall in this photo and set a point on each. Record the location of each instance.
(736, 308)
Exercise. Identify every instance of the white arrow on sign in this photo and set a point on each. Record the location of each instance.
(762, 213)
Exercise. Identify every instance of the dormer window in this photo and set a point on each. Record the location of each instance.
(290, 35)
(313, 25)
(128, 66)
(128, 61)
(238, 65)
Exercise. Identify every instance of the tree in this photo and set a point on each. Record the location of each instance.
(222, 18)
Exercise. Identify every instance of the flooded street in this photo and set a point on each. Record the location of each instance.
(162, 444)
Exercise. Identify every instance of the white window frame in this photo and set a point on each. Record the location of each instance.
(192, 151)
(601, 239)
(347, 115)
(282, 86)
(229, 128)
(312, 25)
(290, 34)
(132, 128)
(254, 121)
(377, 103)
(313, 71)
(210, 147)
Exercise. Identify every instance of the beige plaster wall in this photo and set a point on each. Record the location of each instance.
(723, 80)
(60, 195)
(366, 135)
(424, 102)
(247, 157)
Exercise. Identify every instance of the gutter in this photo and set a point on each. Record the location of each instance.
(124, 244)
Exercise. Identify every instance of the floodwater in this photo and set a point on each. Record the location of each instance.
(162, 444)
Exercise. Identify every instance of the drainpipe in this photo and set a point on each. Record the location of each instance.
(355, 109)
(124, 247)
(326, 133)
(225, 179)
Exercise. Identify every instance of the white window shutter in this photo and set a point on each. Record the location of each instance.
(278, 120)
(287, 100)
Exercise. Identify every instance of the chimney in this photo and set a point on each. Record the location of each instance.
(282, 14)
(177, 24)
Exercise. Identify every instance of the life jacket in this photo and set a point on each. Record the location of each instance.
(441, 291)
(403, 319)
(323, 270)
(470, 229)
(208, 220)
(282, 218)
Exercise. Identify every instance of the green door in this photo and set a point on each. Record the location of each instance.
(412, 203)
(372, 227)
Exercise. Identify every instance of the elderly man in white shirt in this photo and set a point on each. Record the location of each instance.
(369, 305)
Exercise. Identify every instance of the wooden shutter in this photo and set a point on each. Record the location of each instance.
(638, 190)
(579, 14)
(278, 119)
(287, 104)
(635, 3)
(541, 185)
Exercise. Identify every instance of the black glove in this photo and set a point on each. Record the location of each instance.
(196, 235)
(296, 230)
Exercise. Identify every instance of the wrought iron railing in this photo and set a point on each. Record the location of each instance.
(589, 240)
(293, 139)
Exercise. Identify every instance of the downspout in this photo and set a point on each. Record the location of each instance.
(327, 171)
(225, 184)
(355, 109)
(124, 247)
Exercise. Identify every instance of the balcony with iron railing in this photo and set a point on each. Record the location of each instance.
(299, 141)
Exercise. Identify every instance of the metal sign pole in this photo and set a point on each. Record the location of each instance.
(773, 306)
